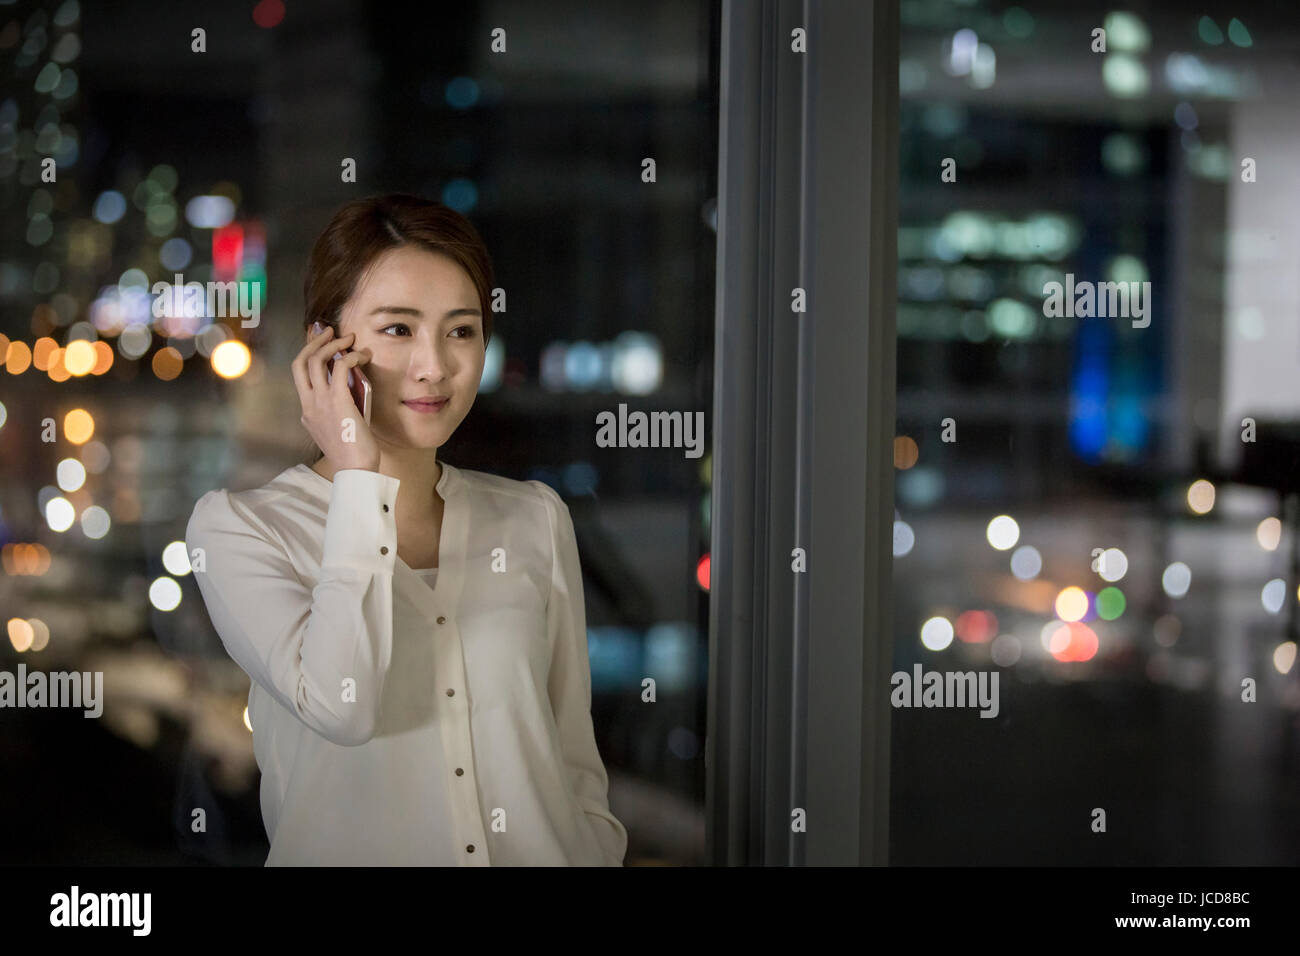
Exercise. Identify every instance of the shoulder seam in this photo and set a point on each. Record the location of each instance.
(250, 517)
(552, 525)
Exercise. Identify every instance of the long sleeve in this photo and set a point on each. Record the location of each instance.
(569, 683)
(301, 644)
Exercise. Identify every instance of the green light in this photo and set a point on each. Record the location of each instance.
(1209, 31)
(1122, 154)
(1012, 319)
(164, 176)
(1124, 75)
(1126, 33)
(1110, 603)
(1018, 23)
(255, 274)
(1238, 33)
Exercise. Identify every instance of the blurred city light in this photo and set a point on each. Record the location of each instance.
(1072, 604)
(1177, 578)
(95, 522)
(1003, 532)
(176, 559)
(904, 538)
(1026, 562)
(231, 359)
(1112, 564)
(702, 573)
(1273, 595)
(1269, 534)
(209, 212)
(165, 594)
(71, 474)
(1200, 496)
(936, 633)
(78, 426)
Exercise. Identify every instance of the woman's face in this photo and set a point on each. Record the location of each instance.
(418, 314)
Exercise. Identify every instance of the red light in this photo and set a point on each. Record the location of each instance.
(976, 627)
(1081, 646)
(227, 252)
(268, 13)
(702, 573)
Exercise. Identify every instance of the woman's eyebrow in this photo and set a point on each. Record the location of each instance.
(407, 310)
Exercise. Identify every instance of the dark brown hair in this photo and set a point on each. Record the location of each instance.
(363, 230)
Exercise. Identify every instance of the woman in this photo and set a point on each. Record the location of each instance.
(415, 633)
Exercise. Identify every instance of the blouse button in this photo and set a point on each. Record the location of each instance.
(470, 848)
(383, 550)
(385, 509)
(442, 620)
(460, 772)
(450, 692)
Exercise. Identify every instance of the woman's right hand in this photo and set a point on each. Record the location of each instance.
(325, 404)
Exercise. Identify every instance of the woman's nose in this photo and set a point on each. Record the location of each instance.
(428, 361)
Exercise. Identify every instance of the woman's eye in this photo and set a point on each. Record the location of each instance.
(398, 325)
(467, 329)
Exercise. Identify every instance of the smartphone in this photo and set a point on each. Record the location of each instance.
(358, 384)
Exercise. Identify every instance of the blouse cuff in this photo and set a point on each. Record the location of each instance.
(361, 526)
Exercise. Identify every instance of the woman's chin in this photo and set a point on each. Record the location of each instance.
(412, 440)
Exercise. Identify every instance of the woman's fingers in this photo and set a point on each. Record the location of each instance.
(342, 370)
(298, 366)
(317, 361)
(312, 348)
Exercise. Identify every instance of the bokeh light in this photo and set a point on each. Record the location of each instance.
(1176, 579)
(231, 359)
(78, 426)
(1026, 562)
(936, 633)
(1200, 496)
(1072, 604)
(1269, 534)
(1003, 532)
(165, 594)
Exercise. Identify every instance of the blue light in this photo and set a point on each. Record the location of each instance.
(581, 478)
(462, 93)
(109, 207)
(582, 366)
(460, 194)
(615, 656)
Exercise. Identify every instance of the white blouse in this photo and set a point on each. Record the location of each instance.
(401, 721)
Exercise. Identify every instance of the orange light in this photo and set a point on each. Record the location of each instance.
(79, 357)
(103, 358)
(20, 634)
(167, 363)
(42, 351)
(18, 357)
(905, 452)
(58, 372)
(702, 573)
(78, 426)
(231, 359)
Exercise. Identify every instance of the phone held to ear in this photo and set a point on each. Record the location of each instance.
(358, 384)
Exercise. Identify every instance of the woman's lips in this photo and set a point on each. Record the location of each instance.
(427, 408)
